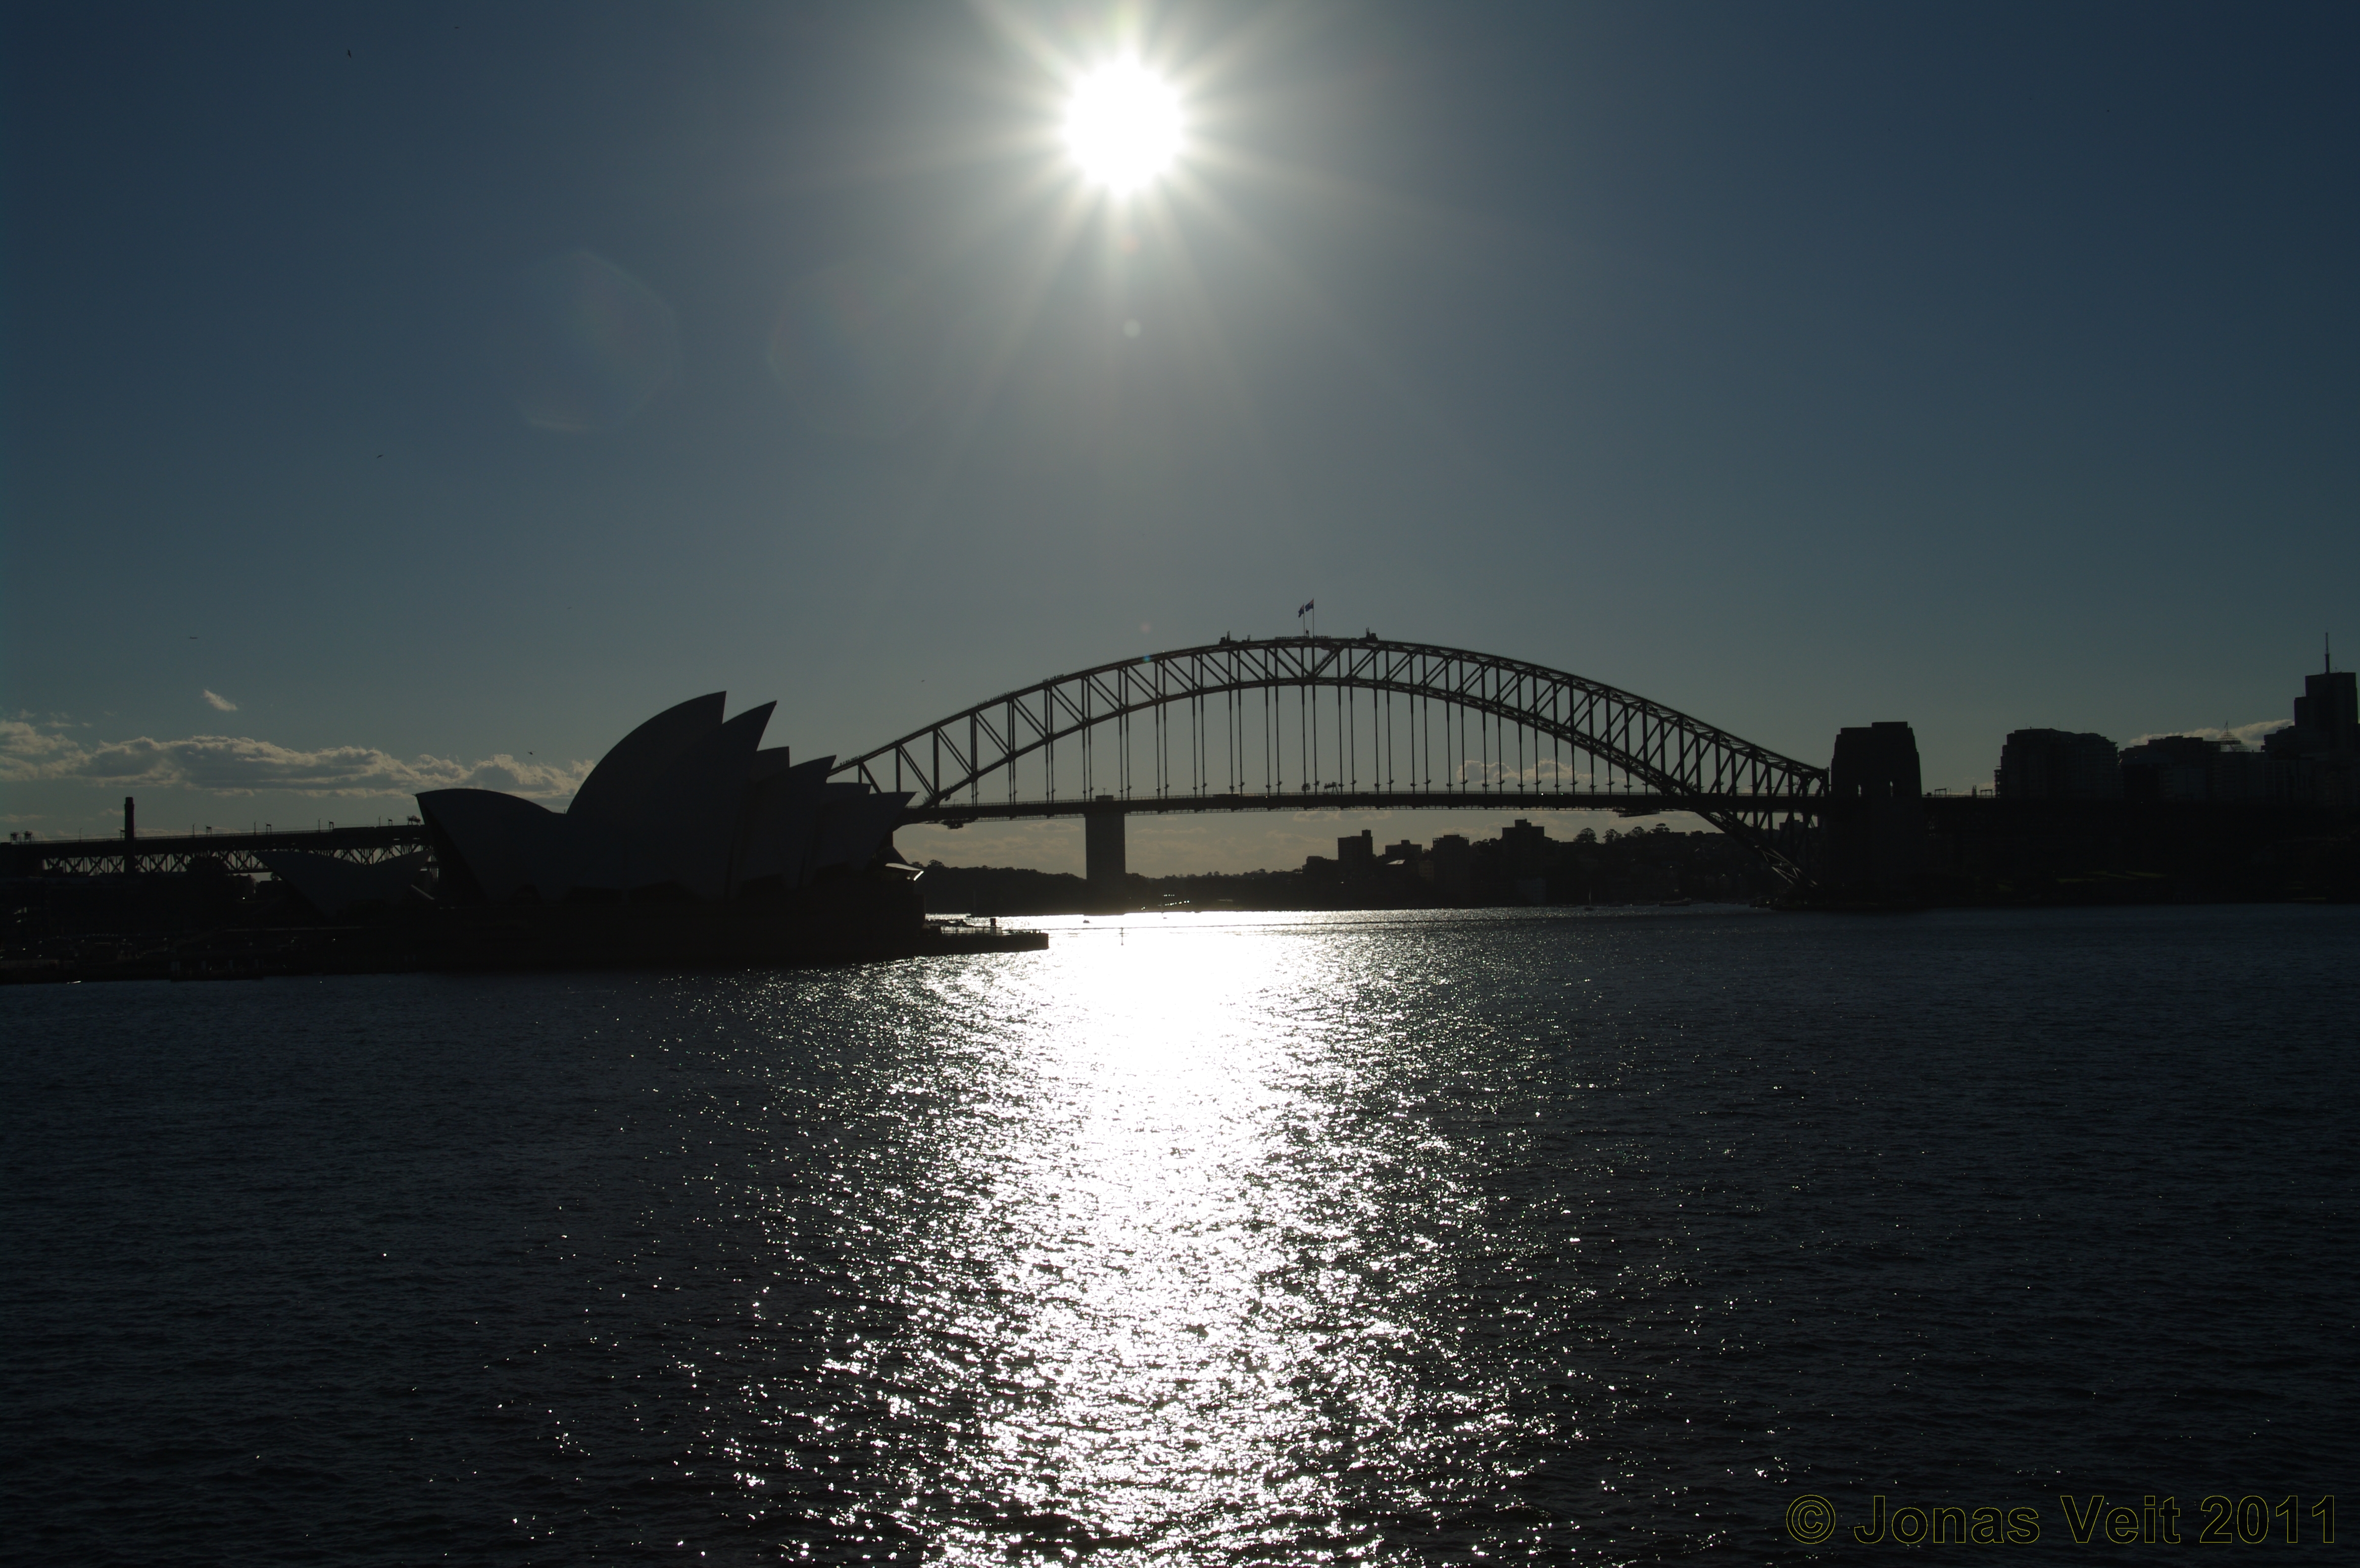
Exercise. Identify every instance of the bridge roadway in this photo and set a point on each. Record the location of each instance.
(951, 814)
(238, 852)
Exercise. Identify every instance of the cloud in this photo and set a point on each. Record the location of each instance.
(220, 702)
(2242, 734)
(228, 764)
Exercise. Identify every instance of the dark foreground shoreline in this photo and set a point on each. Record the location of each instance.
(857, 924)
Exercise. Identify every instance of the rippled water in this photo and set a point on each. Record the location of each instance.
(1271, 1239)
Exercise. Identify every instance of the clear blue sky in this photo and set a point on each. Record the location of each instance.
(468, 383)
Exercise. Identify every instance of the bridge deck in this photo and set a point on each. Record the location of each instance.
(237, 852)
(1623, 803)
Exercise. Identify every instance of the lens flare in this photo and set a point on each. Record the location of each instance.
(586, 345)
(1122, 126)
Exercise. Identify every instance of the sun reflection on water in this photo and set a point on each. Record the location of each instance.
(1176, 1297)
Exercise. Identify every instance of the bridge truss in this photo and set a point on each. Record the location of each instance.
(1298, 722)
(237, 853)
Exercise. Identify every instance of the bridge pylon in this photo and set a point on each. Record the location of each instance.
(1102, 858)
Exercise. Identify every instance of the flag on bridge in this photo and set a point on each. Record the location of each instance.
(1308, 606)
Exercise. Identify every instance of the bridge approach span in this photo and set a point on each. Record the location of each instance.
(1287, 722)
(237, 853)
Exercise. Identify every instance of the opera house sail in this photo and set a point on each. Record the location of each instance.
(688, 808)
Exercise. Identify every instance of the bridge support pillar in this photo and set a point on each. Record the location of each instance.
(1102, 860)
(1873, 838)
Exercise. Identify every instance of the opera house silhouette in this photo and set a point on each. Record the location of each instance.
(686, 807)
(690, 845)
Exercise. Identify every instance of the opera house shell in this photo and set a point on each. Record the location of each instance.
(687, 806)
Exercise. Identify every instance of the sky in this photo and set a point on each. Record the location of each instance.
(393, 398)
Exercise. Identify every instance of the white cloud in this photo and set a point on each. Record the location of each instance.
(227, 764)
(220, 702)
(2242, 734)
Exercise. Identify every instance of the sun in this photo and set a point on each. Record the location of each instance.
(1122, 126)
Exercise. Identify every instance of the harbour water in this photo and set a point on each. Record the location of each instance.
(1592, 1238)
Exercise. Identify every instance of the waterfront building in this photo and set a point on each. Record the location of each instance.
(1524, 847)
(685, 807)
(2191, 767)
(2056, 764)
(1450, 867)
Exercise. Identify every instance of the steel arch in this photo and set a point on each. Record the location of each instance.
(1739, 787)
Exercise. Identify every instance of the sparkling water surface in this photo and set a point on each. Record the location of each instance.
(1219, 1239)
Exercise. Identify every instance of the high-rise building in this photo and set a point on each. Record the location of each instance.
(2322, 746)
(1450, 866)
(1524, 845)
(2190, 767)
(2326, 718)
(2058, 764)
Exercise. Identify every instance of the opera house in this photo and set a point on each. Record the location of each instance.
(690, 845)
(686, 807)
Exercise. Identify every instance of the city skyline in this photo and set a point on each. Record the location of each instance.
(1049, 842)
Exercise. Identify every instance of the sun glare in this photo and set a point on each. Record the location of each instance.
(1122, 126)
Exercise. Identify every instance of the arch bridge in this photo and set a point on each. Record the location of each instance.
(1291, 723)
